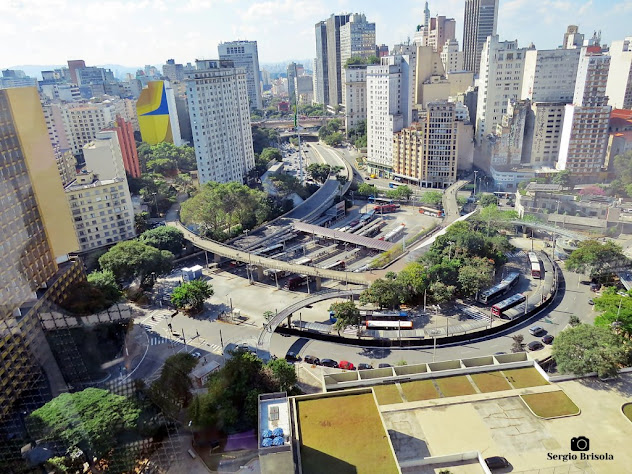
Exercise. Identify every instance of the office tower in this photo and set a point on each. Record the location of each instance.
(502, 66)
(73, 65)
(334, 63)
(389, 99)
(480, 21)
(451, 57)
(549, 75)
(157, 114)
(292, 74)
(355, 94)
(172, 71)
(426, 152)
(572, 38)
(357, 39)
(619, 87)
(321, 71)
(305, 89)
(11, 78)
(182, 107)
(381, 50)
(220, 118)
(439, 30)
(585, 130)
(245, 54)
(37, 237)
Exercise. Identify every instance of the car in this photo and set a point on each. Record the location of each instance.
(292, 357)
(364, 366)
(197, 355)
(310, 359)
(534, 345)
(496, 462)
(384, 366)
(345, 364)
(499, 353)
(591, 302)
(548, 339)
(536, 330)
(329, 363)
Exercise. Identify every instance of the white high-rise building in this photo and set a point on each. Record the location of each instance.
(220, 121)
(619, 88)
(245, 54)
(389, 102)
(451, 57)
(502, 66)
(549, 75)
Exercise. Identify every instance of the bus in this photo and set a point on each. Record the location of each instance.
(393, 234)
(430, 212)
(370, 315)
(377, 324)
(303, 261)
(533, 257)
(380, 200)
(337, 265)
(394, 184)
(498, 290)
(267, 250)
(296, 282)
(275, 273)
(386, 208)
(536, 270)
(504, 305)
(503, 194)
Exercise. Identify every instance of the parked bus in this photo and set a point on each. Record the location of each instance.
(536, 270)
(533, 257)
(303, 261)
(503, 194)
(393, 185)
(431, 212)
(377, 324)
(498, 290)
(504, 305)
(272, 248)
(394, 233)
(380, 200)
(296, 282)
(370, 315)
(386, 208)
(337, 265)
(274, 273)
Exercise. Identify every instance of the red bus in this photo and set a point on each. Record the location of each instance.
(386, 208)
(504, 305)
(430, 212)
(536, 270)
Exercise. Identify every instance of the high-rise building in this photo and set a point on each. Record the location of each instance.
(220, 119)
(480, 21)
(172, 71)
(321, 70)
(451, 57)
(354, 87)
(357, 39)
(245, 54)
(381, 50)
(584, 138)
(12, 78)
(389, 109)
(157, 114)
(573, 39)
(103, 155)
(125, 134)
(549, 75)
(73, 65)
(502, 66)
(439, 30)
(619, 88)
(507, 145)
(334, 64)
(37, 237)
(292, 74)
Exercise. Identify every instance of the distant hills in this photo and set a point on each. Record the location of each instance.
(34, 70)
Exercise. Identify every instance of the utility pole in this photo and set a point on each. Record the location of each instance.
(475, 173)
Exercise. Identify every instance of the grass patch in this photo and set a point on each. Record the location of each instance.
(523, 378)
(419, 390)
(343, 434)
(398, 249)
(551, 404)
(387, 394)
(627, 410)
(455, 386)
(490, 381)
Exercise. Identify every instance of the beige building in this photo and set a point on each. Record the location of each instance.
(619, 87)
(354, 95)
(451, 57)
(66, 166)
(102, 210)
(103, 155)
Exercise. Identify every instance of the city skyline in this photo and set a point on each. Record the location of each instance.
(114, 31)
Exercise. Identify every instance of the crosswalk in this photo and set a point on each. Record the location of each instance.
(476, 314)
(157, 340)
(518, 254)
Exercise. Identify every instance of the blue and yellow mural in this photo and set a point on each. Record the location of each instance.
(153, 114)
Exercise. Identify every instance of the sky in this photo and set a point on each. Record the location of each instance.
(138, 32)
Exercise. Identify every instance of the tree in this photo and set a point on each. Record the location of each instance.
(172, 390)
(190, 296)
(432, 198)
(586, 348)
(488, 199)
(319, 172)
(564, 179)
(412, 281)
(346, 313)
(90, 419)
(383, 293)
(440, 292)
(616, 312)
(271, 154)
(334, 139)
(164, 238)
(141, 222)
(475, 276)
(518, 343)
(134, 259)
(366, 189)
(283, 373)
(105, 282)
(573, 320)
(596, 258)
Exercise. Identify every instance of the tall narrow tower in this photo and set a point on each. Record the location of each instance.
(426, 17)
(479, 22)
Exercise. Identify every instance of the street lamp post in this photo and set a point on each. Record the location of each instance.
(475, 173)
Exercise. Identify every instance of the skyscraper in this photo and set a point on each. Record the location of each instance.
(321, 70)
(334, 64)
(158, 115)
(480, 21)
(619, 88)
(220, 119)
(73, 65)
(245, 54)
(357, 38)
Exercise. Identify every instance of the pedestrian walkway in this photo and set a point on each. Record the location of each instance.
(476, 314)
(518, 254)
(157, 340)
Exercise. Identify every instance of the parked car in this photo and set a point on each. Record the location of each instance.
(311, 360)
(384, 366)
(496, 462)
(534, 345)
(548, 339)
(329, 363)
(292, 357)
(345, 364)
(591, 302)
(364, 366)
(536, 330)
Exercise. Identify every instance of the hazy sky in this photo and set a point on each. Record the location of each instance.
(138, 32)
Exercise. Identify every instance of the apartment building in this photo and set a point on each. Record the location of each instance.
(355, 95)
(357, 38)
(619, 86)
(220, 121)
(451, 57)
(245, 54)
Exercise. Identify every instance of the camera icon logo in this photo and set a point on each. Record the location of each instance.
(581, 443)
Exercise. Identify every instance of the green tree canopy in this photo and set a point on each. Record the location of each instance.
(564, 178)
(475, 276)
(166, 158)
(90, 419)
(346, 313)
(412, 282)
(432, 198)
(172, 390)
(283, 373)
(441, 293)
(319, 171)
(141, 222)
(616, 312)
(383, 293)
(488, 199)
(190, 296)
(586, 348)
(595, 258)
(271, 154)
(164, 238)
(366, 189)
(105, 282)
(134, 259)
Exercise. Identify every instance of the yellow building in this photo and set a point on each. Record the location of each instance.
(157, 115)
